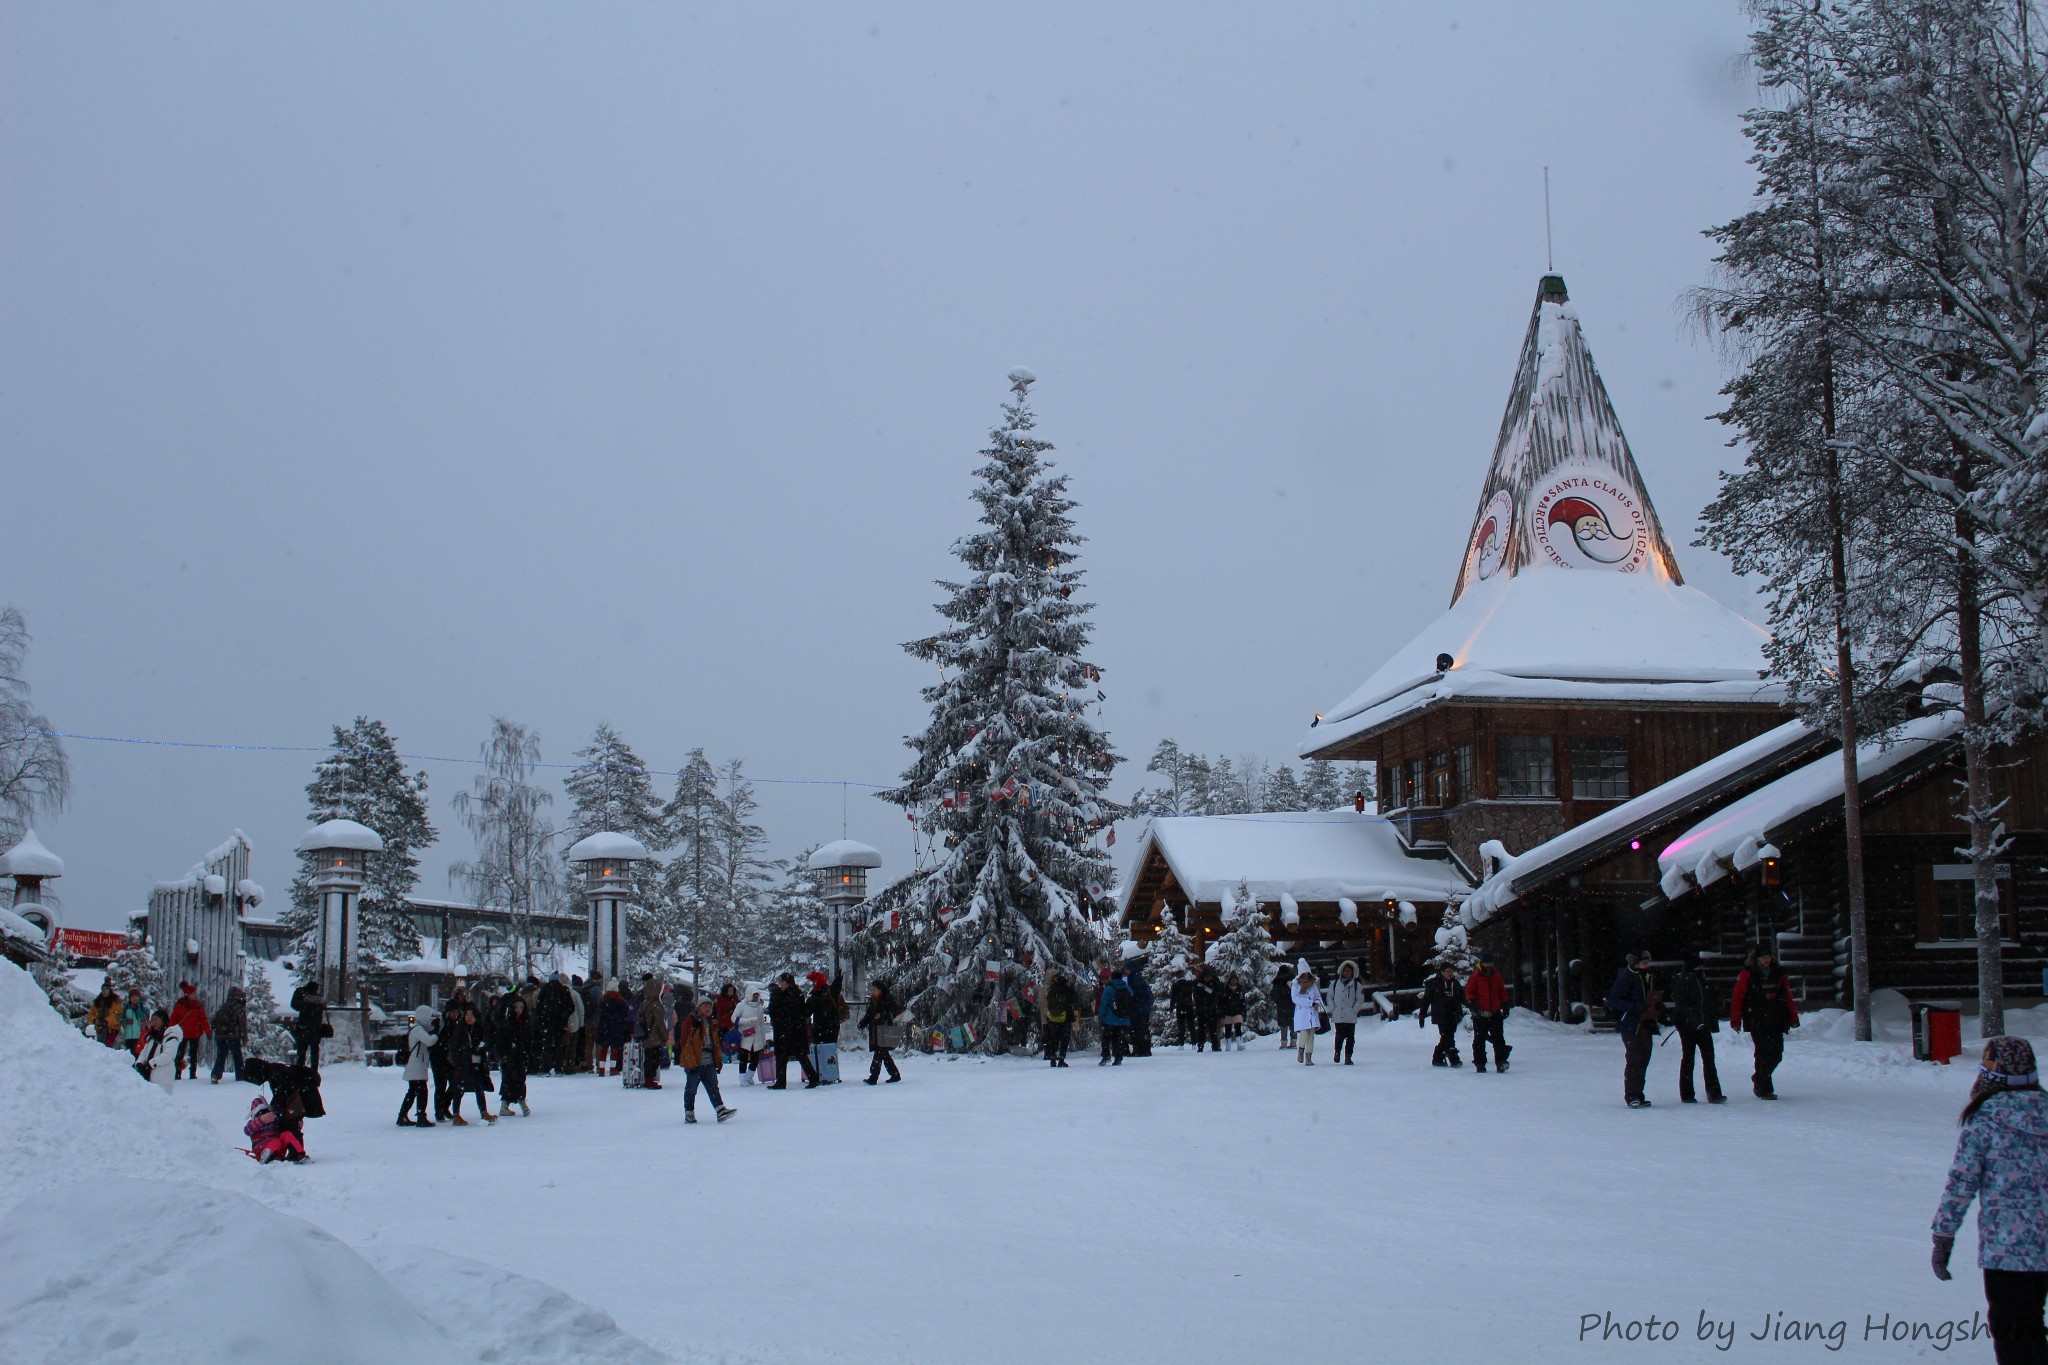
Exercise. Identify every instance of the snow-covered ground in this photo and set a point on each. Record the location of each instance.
(1181, 1208)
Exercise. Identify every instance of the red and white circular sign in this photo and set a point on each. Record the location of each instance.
(1583, 517)
(1490, 539)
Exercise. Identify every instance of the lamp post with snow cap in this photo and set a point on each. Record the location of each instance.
(608, 859)
(30, 864)
(842, 868)
(340, 851)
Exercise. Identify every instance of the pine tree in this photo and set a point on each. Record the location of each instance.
(1282, 791)
(268, 1036)
(1175, 793)
(1322, 788)
(135, 966)
(1244, 957)
(365, 780)
(1168, 958)
(1009, 772)
(1453, 946)
(694, 817)
(793, 931)
(610, 789)
(744, 877)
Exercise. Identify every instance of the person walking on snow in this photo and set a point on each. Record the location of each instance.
(2001, 1162)
(134, 1020)
(157, 1035)
(468, 1073)
(1231, 998)
(1486, 991)
(516, 1048)
(311, 1025)
(1112, 1012)
(1061, 1005)
(608, 1034)
(700, 1054)
(1307, 999)
(1443, 1004)
(230, 1032)
(1141, 1004)
(652, 1023)
(1347, 1002)
(189, 1017)
(884, 1033)
(553, 1009)
(1181, 996)
(1635, 1000)
(104, 1018)
(1282, 992)
(751, 1019)
(1762, 1004)
(419, 1046)
(1697, 1015)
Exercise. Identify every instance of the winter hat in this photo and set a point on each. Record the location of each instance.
(1301, 969)
(1634, 958)
(1486, 959)
(1766, 949)
(2008, 1065)
(819, 980)
(186, 988)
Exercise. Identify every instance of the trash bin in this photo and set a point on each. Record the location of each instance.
(1937, 1030)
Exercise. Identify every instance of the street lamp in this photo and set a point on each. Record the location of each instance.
(842, 867)
(607, 859)
(30, 864)
(340, 850)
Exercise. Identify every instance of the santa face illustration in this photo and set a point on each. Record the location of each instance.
(1489, 547)
(1590, 531)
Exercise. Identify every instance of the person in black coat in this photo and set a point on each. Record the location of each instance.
(515, 1049)
(1636, 1002)
(1204, 997)
(1182, 997)
(791, 1016)
(551, 1014)
(1443, 1004)
(880, 1015)
(1282, 991)
(462, 1036)
(1697, 1015)
(310, 1005)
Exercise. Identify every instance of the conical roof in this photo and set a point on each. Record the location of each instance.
(1563, 490)
(1568, 590)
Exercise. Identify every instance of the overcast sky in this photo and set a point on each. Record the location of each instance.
(627, 363)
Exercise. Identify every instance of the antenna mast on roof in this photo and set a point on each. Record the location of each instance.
(1549, 257)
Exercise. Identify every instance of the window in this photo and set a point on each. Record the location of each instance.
(1461, 773)
(1528, 767)
(1952, 889)
(1411, 782)
(1440, 778)
(1599, 769)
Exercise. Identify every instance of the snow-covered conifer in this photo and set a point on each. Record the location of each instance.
(1168, 958)
(135, 966)
(1453, 946)
(610, 789)
(1009, 773)
(363, 779)
(1243, 956)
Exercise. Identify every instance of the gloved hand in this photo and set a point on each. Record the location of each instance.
(1942, 1247)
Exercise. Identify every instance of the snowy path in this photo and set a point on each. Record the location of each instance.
(1187, 1208)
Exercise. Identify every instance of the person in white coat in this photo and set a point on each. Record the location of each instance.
(1347, 1002)
(1308, 1013)
(419, 1043)
(159, 1049)
(750, 1017)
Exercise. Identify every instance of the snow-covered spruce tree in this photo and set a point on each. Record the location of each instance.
(136, 966)
(1244, 957)
(792, 933)
(1168, 957)
(1009, 774)
(1453, 946)
(744, 876)
(364, 780)
(610, 789)
(694, 816)
(268, 1036)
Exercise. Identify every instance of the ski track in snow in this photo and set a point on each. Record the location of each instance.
(1183, 1207)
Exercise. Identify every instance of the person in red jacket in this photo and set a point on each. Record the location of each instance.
(1486, 991)
(1762, 1005)
(190, 1016)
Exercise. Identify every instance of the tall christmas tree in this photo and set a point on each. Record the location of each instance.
(609, 789)
(1243, 957)
(1009, 775)
(364, 780)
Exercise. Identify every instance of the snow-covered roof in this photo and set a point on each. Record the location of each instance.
(1552, 634)
(344, 834)
(249, 891)
(1304, 855)
(607, 846)
(30, 859)
(845, 853)
(1518, 873)
(1735, 839)
(14, 926)
(1568, 590)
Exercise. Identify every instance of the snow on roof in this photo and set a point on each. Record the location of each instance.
(845, 853)
(14, 926)
(1550, 633)
(1736, 838)
(249, 891)
(30, 859)
(607, 846)
(1305, 855)
(343, 834)
(1516, 874)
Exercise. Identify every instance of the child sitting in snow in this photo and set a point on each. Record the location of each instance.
(269, 1138)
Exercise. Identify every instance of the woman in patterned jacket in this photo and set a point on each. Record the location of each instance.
(2002, 1163)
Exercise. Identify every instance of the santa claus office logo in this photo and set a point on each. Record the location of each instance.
(1490, 541)
(1584, 518)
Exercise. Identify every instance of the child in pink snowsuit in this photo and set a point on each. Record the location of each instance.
(269, 1139)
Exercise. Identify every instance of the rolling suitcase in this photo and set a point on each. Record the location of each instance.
(764, 1070)
(633, 1072)
(825, 1060)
